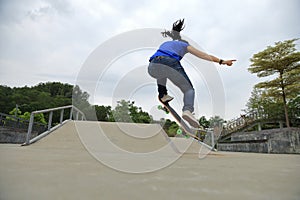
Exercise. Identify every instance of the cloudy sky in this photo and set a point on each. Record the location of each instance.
(52, 40)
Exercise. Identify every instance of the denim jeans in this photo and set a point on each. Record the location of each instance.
(162, 68)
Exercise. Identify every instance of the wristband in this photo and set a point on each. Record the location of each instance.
(221, 61)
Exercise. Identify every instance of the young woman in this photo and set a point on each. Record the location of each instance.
(165, 64)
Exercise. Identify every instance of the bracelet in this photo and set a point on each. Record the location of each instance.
(221, 61)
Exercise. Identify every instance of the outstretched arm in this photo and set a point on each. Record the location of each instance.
(207, 57)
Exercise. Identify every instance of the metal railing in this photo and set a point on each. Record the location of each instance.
(244, 121)
(75, 113)
(250, 120)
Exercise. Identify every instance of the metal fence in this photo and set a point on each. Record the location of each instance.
(75, 114)
(18, 124)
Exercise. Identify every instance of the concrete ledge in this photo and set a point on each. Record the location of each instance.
(244, 147)
(286, 140)
(13, 136)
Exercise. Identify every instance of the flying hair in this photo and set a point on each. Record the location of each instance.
(178, 25)
(175, 33)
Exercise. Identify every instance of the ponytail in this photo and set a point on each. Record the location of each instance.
(175, 33)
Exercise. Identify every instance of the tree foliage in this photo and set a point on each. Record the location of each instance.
(204, 122)
(281, 62)
(272, 108)
(216, 121)
(126, 111)
(103, 113)
(41, 96)
(170, 127)
(26, 116)
(55, 94)
(264, 105)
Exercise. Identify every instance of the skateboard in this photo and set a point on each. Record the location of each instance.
(184, 129)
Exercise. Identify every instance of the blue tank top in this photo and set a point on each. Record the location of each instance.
(174, 49)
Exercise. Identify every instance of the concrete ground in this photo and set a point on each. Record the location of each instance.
(70, 163)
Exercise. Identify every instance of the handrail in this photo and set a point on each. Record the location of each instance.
(50, 128)
(248, 120)
(244, 120)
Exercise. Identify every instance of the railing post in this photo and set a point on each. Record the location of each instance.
(213, 139)
(29, 128)
(61, 116)
(281, 125)
(77, 114)
(71, 112)
(259, 126)
(50, 120)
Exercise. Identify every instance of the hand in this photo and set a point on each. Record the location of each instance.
(228, 62)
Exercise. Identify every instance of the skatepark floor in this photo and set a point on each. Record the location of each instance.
(60, 166)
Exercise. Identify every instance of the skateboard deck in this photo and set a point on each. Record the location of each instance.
(187, 131)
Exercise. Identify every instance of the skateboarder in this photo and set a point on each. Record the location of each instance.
(165, 64)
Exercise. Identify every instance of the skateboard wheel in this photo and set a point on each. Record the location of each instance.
(160, 107)
(179, 131)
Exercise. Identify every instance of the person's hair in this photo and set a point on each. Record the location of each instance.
(175, 33)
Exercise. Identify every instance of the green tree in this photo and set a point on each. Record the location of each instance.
(294, 106)
(55, 89)
(264, 105)
(126, 111)
(172, 131)
(255, 102)
(6, 102)
(138, 115)
(121, 112)
(204, 122)
(281, 61)
(216, 121)
(80, 100)
(41, 96)
(170, 127)
(18, 113)
(103, 113)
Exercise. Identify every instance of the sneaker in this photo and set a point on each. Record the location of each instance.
(190, 118)
(166, 98)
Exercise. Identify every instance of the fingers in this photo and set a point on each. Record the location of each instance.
(230, 62)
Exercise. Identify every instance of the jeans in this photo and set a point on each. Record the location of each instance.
(162, 68)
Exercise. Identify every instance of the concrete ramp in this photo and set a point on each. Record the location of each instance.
(64, 137)
(191, 146)
(110, 137)
(115, 136)
(127, 147)
(87, 160)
